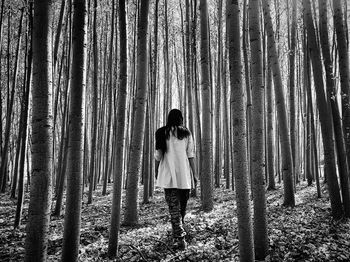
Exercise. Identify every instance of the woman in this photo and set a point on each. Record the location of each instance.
(174, 162)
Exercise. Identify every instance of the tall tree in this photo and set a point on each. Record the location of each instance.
(292, 110)
(287, 161)
(72, 216)
(240, 162)
(42, 139)
(28, 80)
(257, 139)
(344, 70)
(218, 141)
(188, 80)
(207, 184)
(93, 152)
(325, 115)
(18, 146)
(331, 94)
(1, 106)
(139, 120)
(270, 132)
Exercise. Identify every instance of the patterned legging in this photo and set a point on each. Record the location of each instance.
(177, 202)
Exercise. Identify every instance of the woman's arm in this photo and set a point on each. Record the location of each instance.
(157, 167)
(193, 167)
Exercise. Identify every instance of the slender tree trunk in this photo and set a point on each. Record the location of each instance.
(270, 132)
(138, 124)
(58, 33)
(189, 69)
(325, 115)
(258, 151)
(218, 150)
(20, 131)
(245, 227)
(311, 143)
(26, 106)
(287, 158)
(207, 179)
(92, 172)
(1, 101)
(292, 109)
(226, 110)
(42, 139)
(63, 160)
(72, 216)
(109, 112)
(344, 70)
(4, 155)
(331, 94)
(245, 45)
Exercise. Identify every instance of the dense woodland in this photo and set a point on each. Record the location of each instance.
(264, 87)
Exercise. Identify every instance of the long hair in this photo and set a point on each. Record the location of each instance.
(173, 125)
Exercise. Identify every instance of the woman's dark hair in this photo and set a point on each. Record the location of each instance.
(174, 122)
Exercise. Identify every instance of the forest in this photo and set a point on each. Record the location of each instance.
(263, 86)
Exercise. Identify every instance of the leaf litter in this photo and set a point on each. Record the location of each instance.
(303, 233)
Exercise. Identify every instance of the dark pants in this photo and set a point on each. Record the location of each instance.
(177, 202)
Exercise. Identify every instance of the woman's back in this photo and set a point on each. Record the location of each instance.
(173, 153)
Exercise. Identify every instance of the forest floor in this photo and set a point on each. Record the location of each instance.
(304, 233)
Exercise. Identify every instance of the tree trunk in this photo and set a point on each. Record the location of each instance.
(258, 151)
(109, 112)
(240, 163)
(92, 172)
(207, 183)
(331, 94)
(287, 158)
(189, 69)
(63, 160)
(226, 112)
(270, 132)
(245, 46)
(146, 157)
(1, 107)
(26, 106)
(292, 110)
(344, 70)
(58, 32)
(72, 216)
(311, 139)
(218, 139)
(325, 115)
(15, 175)
(138, 123)
(42, 139)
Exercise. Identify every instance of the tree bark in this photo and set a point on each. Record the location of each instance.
(331, 94)
(92, 172)
(218, 139)
(72, 216)
(207, 177)
(344, 70)
(287, 158)
(257, 140)
(138, 123)
(25, 119)
(40, 189)
(325, 115)
(292, 109)
(270, 132)
(238, 109)
(110, 88)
